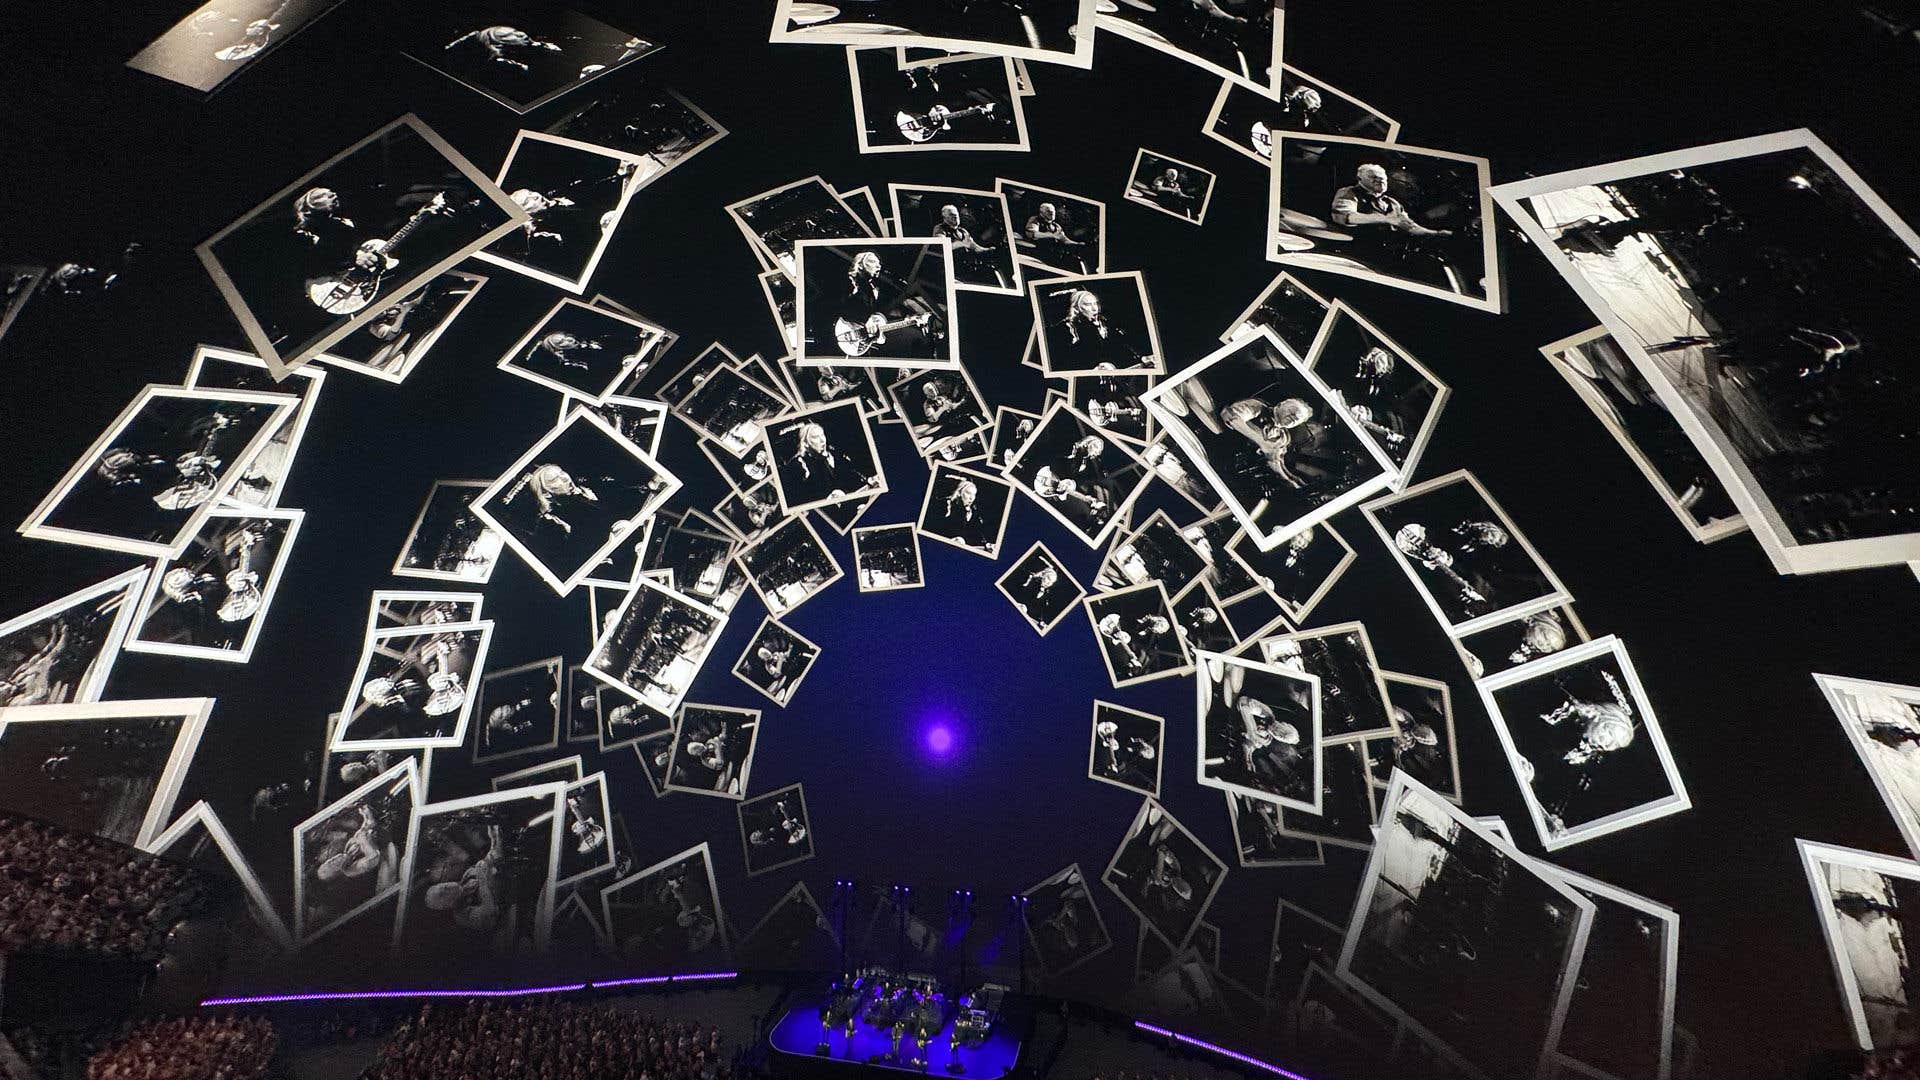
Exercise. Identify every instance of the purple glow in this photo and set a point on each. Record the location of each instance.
(939, 739)
(1221, 1050)
(645, 980)
(524, 991)
(698, 978)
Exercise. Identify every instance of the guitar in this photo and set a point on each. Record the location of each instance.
(354, 288)
(859, 339)
(924, 127)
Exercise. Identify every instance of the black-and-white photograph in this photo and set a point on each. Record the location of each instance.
(1238, 40)
(1213, 538)
(479, 874)
(887, 557)
(1056, 230)
(823, 456)
(966, 509)
(1126, 750)
(1260, 837)
(1093, 324)
(1349, 803)
(1246, 119)
(1627, 405)
(1393, 398)
(672, 385)
(654, 126)
(789, 566)
(389, 609)
(199, 839)
(667, 917)
(581, 719)
(1164, 874)
(1270, 437)
(1584, 743)
(1423, 743)
(1300, 940)
(211, 602)
(564, 770)
(1167, 184)
(111, 769)
(1112, 402)
(574, 194)
(1011, 429)
(17, 286)
(1052, 31)
(794, 935)
(713, 750)
(971, 450)
(448, 541)
(520, 710)
(1353, 694)
(264, 474)
(1496, 994)
(1619, 1022)
(751, 514)
(346, 770)
(391, 346)
(775, 661)
(414, 687)
(1063, 922)
(1757, 285)
(1201, 620)
(1866, 905)
(1300, 572)
(1259, 730)
(566, 504)
(1415, 219)
(730, 407)
(346, 858)
(940, 408)
(1882, 722)
(1155, 551)
(1509, 644)
(1288, 308)
(1039, 587)
(221, 38)
(877, 303)
(815, 386)
(520, 54)
(1471, 565)
(861, 201)
(334, 250)
(774, 831)
(695, 551)
(637, 420)
(64, 650)
(977, 225)
(582, 351)
(1080, 477)
(958, 105)
(1138, 635)
(775, 220)
(147, 483)
(587, 847)
(654, 645)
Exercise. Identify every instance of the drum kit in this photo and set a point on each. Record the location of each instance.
(1298, 232)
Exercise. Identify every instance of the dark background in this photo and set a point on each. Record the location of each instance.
(96, 156)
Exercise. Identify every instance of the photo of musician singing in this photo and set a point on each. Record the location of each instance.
(877, 303)
(1078, 474)
(210, 600)
(1040, 588)
(1096, 324)
(824, 456)
(218, 40)
(1126, 748)
(1170, 186)
(582, 351)
(1165, 874)
(1463, 552)
(1137, 634)
(954, 105)
(966, 509)
(573, 195)
(977, 225)
(522, 55)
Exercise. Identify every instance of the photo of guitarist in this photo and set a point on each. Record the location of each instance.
(874, 314)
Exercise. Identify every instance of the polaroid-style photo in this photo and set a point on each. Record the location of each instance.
(1584, 743)
(816, 386)
(667, 917)
(1136, 631)
(1627, 405)
(148, 482)
(582, 351)
(775, 661)
(1619, 1021)
(413, 687)
(111, 769)
(1063, 924)
(1863, 901)
(860, 200)
(1757, 285)
(1259, 726)
(775, 220)
(1154, 551)
(63, 651)
(1472, 566)
(1171, 466)
(587, 847)
(1245, 120)
(1011, 429)
(479, 874)
(966, 509)
(1412, 218)
(978, 228)
(566, 503)
(1301, 940)
(694, 551)
(1080, 477)
(751, 514)
(655, 127)
(673, 387)
(221, 38)
(1260, 838)
(333, 250)
(346, 858)
(1349, 805)
(1270, 437)
(970, 450)
(17, 286)
(1493, 1004)
(964, 104)
(1882, 721)
(1167, 184)
(575, 194)
(348, 769)
(1299, 573)
(448, 541)
(564, 770)
(1353, 694)
(789, 566)
(1288, 308)
(1213, 538)
(822, 456)
(1238, 40)
(774, 830)
(793, 935)
(637, 420)
(653, 647)
(1508, 645)
(729, 408)
(1423, 743)
(940, 408)
(1127, 748)
(1112, 402)
(211, 602)
(391, 346)
(1096, 324)
(1164, 874)
(713, 750)
(389, 609)
(520, 710)
(521, 55)
(876, 303)
(263, 475)
(1201, 620)
(1052, 31)
(887, 557)
(1059, 231)
(1394, 399)
(1039, 587)
(200, 839)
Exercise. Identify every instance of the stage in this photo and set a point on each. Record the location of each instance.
(796, 1037)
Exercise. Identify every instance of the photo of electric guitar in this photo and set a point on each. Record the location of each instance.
(924, 127)
(859, 339)
(352, 289)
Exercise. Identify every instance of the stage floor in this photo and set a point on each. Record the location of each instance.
(798, 1034)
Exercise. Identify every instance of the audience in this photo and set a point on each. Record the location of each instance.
(190, 1048)
(61, 889)
(548, 1039)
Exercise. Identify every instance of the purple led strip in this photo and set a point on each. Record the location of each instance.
(525, 991)
(1221, 1050)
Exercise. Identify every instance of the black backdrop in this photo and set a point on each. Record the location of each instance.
(95, 155)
